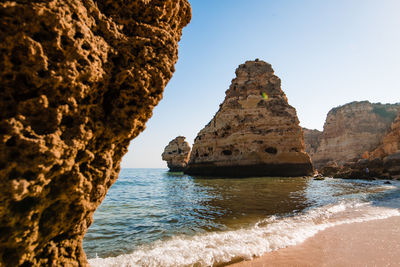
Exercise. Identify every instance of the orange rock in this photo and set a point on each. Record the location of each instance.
(254, 133)
(349, 131)
(78, 81)
(390, 143)
(177, 153)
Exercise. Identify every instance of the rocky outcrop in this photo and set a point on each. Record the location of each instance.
(312, 140)
(254, 133)
(390, 143)
(383, 162)
(78, 81)
(349, 131)
(176, 154)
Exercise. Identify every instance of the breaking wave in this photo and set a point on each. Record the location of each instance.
(273, 233)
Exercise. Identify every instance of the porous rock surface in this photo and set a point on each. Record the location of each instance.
(254, 133)
(176, 154)
(78, 81)
(349, 131)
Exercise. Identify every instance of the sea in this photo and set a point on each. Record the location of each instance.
(152, 217)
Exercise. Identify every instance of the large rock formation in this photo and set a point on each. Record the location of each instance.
(254, 133)
(176, 154)
(390, 143)
(78, 81)
(349, 131)
(383, 162)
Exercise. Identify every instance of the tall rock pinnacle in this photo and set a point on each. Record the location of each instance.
(254, 133)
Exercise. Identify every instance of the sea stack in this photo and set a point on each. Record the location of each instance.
(254, 133)
(176, 154)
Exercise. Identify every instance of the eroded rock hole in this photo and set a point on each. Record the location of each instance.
(25, 205)
(227, 152)
(271, 150)
(42, 73)
(66, 42)
(75, 16)
(29, 175)
(67, 121)
(78, 35)
(44, 35)
(86, 46)
(12, 141)
(14, 174)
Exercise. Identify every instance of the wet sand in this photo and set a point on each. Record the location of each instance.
(373, 243)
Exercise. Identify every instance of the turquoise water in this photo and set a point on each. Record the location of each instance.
(154, 218)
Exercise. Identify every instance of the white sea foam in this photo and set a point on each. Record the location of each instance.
(270, 234)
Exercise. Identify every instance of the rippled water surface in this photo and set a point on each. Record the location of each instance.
(147, 210)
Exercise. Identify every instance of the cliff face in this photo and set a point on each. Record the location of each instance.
(312, 140)
(350, 130)
(177, 153)
(78, 80)
(254, 133)
(383, 162)
(390, 143)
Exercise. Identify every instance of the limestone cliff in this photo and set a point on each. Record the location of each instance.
(350, 130)
(383, 162)
(254, 133)
(390, 143)
(312, 140)
(78, 81)
(177, 153)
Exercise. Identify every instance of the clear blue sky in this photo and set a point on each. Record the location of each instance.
(327, 53)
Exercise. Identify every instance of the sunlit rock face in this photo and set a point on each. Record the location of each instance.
(390, 143)
(176, 154)
(349, 131)
(383, 162)
(312, 140)
(78, 81)
(254, 133)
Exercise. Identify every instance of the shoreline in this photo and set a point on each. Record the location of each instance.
(372, 243)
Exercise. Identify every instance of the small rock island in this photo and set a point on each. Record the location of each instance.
(176, 154)
(254, 133)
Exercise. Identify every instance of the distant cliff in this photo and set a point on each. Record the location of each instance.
(254, 133)
(383, 162)
(390, 143)
(349, 131)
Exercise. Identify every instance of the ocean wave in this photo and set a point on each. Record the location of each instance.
(265, 236)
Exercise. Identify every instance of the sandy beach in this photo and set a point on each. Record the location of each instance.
(373, 243)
